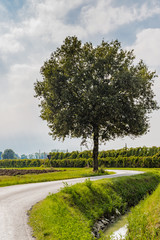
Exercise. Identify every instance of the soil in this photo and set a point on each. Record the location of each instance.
(14, 172)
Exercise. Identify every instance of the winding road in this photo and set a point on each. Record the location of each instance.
(16, 200)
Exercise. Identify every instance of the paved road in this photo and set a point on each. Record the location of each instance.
(16, 200)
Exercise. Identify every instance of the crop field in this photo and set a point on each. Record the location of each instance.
(15, 172)
(15, 176)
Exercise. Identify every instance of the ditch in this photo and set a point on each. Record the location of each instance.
(117, 230)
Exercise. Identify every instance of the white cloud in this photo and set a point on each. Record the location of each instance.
(47, 21)
(103, 17)
(9, 44)
(18, 106)
(147, 46)
(43, 22)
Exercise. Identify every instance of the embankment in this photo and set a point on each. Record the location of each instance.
(144, 219)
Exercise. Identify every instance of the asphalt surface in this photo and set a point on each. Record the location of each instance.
(15, 201)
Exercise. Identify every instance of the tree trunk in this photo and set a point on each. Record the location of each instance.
(95, 148)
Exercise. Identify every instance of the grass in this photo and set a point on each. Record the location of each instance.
(155, 170)
(66, 173)
(71, 213)
(144, 220)
(48, 224)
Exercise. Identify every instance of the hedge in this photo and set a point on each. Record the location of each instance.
(125, 152)
(120, 161)
(21, 163)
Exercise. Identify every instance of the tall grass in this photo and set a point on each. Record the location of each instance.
(144, 220)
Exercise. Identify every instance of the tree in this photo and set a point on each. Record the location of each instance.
(8, 154)
(37, 155)
(0, 154)
(95, 92)
(24, 156)
(31, 156)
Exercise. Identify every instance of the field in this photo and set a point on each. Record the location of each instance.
(15, 171)
(52, 174)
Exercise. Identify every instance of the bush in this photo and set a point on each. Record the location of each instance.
(21, 163)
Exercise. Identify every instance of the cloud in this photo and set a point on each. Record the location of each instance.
(147, 45)
(46, 20)
(146, 48)
(17, 104)
(9, 44)
(42, 26)
(104, 18)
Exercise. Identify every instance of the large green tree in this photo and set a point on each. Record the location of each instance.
(8, 154)
(95, 92)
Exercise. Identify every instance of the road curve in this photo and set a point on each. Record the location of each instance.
(16, 200)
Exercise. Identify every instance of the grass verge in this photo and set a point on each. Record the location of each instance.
(71, 213)
(66, 173)
(144, 220)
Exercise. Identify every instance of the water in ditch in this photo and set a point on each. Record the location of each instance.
(117, 230)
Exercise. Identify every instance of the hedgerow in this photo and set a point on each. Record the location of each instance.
(125, 152)
(21, 163)
(120, 161)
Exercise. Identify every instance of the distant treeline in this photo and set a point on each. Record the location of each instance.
(133, 157)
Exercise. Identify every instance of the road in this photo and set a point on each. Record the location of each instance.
(16, 200)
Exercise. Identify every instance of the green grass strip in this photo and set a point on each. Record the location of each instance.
(66, 173)
(71, 213)
(144, 220)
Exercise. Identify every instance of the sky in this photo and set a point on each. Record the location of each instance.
(30, 30)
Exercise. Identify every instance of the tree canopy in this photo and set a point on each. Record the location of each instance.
(8, 154)
(95, 92)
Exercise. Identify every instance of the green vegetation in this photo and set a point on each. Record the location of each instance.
(119, 162)
(23, 163)
(8, 154)
(144, 220)
(57, 161)
(95, 92)
(71, 213)
(124, 152)
(44, 177)
(132, 157)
